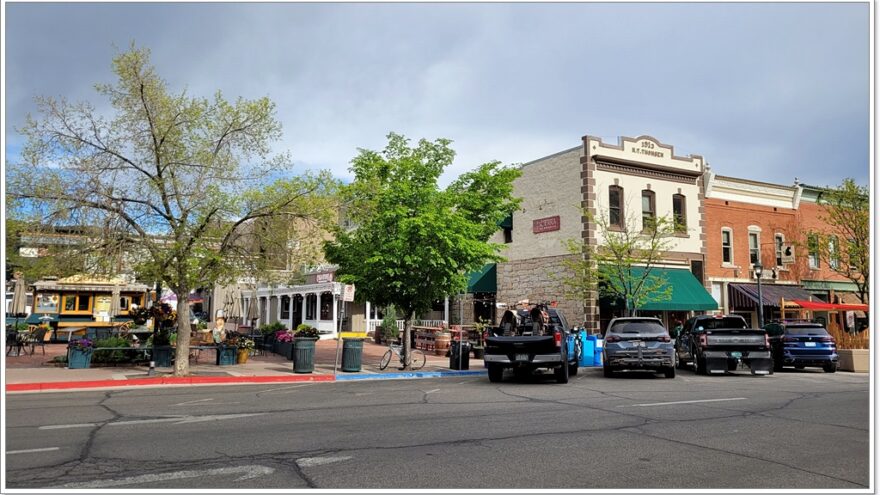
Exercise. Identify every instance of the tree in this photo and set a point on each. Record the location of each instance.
(844, 243)
(414, 242)
(607, 269)
(183, 182)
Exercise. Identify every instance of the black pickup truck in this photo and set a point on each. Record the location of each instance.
(528, 345)
(719, 343)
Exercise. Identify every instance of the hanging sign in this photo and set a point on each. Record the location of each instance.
(348, 293)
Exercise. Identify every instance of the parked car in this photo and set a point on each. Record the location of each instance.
(638, 343)
(719, 343)
(801, 344)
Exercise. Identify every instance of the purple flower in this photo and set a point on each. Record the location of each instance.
(82, 344)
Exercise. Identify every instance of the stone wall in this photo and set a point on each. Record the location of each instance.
(456, 309)
(530, 279)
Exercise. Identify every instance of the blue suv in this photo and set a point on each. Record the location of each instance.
(801, 344)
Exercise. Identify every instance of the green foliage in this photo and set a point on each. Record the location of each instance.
(187, 187)
(606, 269)
(415, 242)
(389, 324)
(270, 328)
(112, 356)
(845, 243)
(306, 331)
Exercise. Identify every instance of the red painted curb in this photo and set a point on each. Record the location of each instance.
(166, 380)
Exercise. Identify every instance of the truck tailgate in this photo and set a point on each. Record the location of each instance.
(745, 339)
(525, 344)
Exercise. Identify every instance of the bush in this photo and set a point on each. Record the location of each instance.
(389, 324)
(115, 356)
(308, 331)
(270, 328)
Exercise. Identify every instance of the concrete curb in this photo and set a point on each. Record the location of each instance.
(222, 380)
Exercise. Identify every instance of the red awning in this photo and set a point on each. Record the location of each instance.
(823, 306)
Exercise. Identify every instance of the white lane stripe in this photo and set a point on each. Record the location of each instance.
(317, 461)
(61, 427)
(176, 420)
(191, 402)
(432, 391)
(246, 472)
(28, 451)
(283, 388)
(687, 402)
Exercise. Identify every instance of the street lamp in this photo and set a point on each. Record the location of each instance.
(759, 270)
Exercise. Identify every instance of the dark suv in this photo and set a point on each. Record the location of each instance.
(801, 344)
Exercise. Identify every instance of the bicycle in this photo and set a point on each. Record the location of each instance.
(417, 357)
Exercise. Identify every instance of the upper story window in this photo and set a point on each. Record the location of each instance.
(779, 243)
(727, 246)
(813, 251)
(833, 255)
(615, 206)
(754, 248)
(649, 211)
(679, 212)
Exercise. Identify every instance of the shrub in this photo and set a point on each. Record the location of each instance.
(389, 324)
(112, 356)
(306, 331)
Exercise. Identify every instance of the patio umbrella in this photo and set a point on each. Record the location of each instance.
(233, 306)
(252, 312)
(19, 298)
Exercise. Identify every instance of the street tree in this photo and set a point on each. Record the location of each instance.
(413, 242)
(844, 244)
(621, 265)
(188, 184)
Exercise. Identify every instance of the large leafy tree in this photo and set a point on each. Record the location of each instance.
(844, 245)
(414, 242)
(187, 184)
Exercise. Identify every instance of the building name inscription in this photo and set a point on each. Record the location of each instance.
(647, 148)
(548, 224)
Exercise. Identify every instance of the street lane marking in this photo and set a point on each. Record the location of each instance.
(178, 420)
(247, 472)
(28, 451)
(318, 461)
(432, 391)
(685, 402)
(192, 402)
(284, 388)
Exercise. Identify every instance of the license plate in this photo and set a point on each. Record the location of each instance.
(736, 354)
(638, 343)
(810, 344)
(522, 357)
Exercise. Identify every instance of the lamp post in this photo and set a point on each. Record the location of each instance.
(759, 270)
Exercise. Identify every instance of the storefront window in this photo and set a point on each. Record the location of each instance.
(285, 307)
(77, 303)
(47, 303)
(311, 306)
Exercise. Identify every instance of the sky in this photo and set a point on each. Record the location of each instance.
(766, 92)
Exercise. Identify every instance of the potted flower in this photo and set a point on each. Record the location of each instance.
(79, 353)
(160, 343)
(479, 327)
(284, 343)
(139, 315)
(304, 348)
(245, 346)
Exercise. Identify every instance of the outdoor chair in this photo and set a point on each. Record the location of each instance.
(14, 341)
(37, 338)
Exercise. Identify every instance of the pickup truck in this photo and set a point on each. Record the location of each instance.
(529, 345)
(719, 343)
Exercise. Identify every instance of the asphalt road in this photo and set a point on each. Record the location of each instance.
(794, 429)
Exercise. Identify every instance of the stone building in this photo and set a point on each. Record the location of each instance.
(623, 182)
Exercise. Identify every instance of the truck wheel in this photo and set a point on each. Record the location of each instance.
(669, 372)
(830, 367)
(607, 371)
(495, 373)
(561, 373)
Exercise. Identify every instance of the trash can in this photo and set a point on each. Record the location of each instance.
(352, 351)
(589, 349)
(597, 359)
(225, 355)
(304, 355)
(459, 355)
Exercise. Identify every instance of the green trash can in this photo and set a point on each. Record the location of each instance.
(352, 351)
(304, 355)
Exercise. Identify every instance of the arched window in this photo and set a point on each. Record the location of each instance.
(615, 206)
(679, 212)
(649, 210)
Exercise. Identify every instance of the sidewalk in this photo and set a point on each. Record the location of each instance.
(31, 373)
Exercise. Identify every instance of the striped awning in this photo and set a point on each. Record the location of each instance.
(745, 296)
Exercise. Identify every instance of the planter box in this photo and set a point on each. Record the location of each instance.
(857, 360)
(285, 349)
(226, 355)
(79, 359)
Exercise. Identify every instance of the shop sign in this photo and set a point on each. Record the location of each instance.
(548, 224)
(324, 277)
(348, 293)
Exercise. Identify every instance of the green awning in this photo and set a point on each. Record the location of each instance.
(687, 292)
(484, 280)
(34, 318)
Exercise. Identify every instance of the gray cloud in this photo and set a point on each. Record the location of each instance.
(763, 91)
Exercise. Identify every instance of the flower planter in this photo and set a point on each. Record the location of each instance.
(479, 352)
(857, 360)
(242, 357)
(163, 355)
(285, 349)
(304, 354)
(226, 355)
(79, 358)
